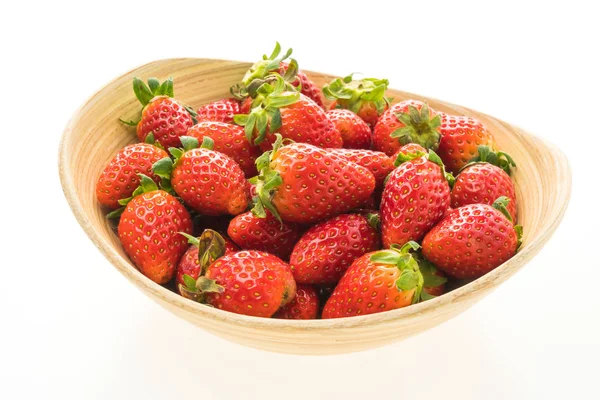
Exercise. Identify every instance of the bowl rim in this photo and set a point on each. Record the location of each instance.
(141, 282)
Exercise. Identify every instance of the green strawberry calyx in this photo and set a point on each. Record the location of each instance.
(485, 154)
(351, 94)
(501, 204)
(411, 276)
(211, 246)
(373, 220)
(266, 182)
(265, 111)
(264, 67)
(146, 185)
(418, 127)
(432, 277)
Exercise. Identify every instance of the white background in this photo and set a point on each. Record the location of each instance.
(73, 327)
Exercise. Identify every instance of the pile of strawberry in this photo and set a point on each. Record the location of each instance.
(270, 204)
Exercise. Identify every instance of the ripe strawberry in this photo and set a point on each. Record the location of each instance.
(246, 106)
(248, 282)
(472, 240)
(461, 136)
(414, 199)
(355, 132)
(163, 119)
(207, 181)
(305, 304)
(230, 140)
(410, 121)
(219, 111)
(483, 182)
(120, 177)
(148, 231)
(327, 249)
(364, 97)
(264, 234)
(376, 282)
(377, 162)
(190, 264)
(303, 183)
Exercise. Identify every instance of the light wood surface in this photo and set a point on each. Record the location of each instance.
(94, 135)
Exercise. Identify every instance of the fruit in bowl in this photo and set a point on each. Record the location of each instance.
(359, 242)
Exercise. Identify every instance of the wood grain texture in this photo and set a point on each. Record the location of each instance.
(94, 135)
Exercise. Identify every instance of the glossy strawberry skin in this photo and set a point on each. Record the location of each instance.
(377, 162)
(120, 177)
(309, 88)
(483, 183)
(219, 111)
(326, 250)
(461, 136)
(264, 234)
(305, 304)
(246, 105)
(416, 196)
(210, 183)
(355, 132)
(367, 288)
(305, 122)
(230, 140)
(167, 119)
(190, 264)
(367, 112)
(388, 123)
(317, 185)
(148, 230)
(470, 241)
(255, 283)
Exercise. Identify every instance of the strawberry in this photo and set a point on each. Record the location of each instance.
(304, 184)
(434, 280)
(246, 106)
(265, 234)
(355, 132)
(248, 282)
(483, 182)
(461, 137)
(410, 121)
(376, 282)
(307, 87)
(276, 109)
(230, 140)
(305, 304)
(414, 199)
(364, 97)
(148, 231)
(163, 119)
(326, 250)
(120, 177)
(377, 162)
(207, 181)
(473, 240)
(219, 111)
(190, 264)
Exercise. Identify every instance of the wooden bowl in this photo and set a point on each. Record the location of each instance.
(94, 135)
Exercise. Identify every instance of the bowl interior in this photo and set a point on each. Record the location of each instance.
(94, 135)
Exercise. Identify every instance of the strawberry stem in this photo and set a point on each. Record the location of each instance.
(352, 94)
(418, 128)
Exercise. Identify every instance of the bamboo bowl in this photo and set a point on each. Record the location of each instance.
(94, 135)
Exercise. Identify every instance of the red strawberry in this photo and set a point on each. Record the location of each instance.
(377, 162)
(472, 240)
(190, 262)
(461, 136)
(230, 140)
(410, 121)
(219, 111)
(265, 234)
(120, 177)
(148, 231)
(355, 132)
(327, 249)
(207, 181)
(483, 182)
(414, 199)
(163, 119)
(364, 97)
(303, 183)
(305, 304)
(376, 282)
